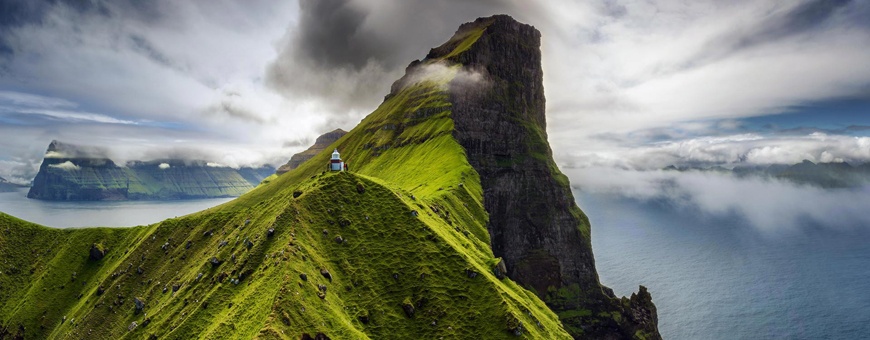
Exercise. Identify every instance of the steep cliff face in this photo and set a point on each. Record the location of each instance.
(534, 222)
(321, 143)
(73, 173)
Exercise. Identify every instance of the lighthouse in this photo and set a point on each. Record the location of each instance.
(335, 164)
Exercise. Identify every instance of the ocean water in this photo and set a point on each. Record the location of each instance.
(99, 213)
(716, 277)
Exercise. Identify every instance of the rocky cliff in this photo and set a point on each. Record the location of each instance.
(72, 173)
(534, 222)
(320, 144)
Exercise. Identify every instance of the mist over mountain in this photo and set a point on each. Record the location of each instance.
(80, 173)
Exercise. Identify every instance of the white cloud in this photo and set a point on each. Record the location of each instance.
(663, 63)
(77, 116)
(195, 74)
(163, 166)
(728, 150)
(771, 206)
(68, 166)
(32, 100)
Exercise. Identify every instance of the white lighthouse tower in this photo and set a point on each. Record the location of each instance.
(336, 164)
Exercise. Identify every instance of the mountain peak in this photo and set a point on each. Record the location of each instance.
(534, 223)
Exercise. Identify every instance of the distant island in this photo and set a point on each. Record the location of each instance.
(825, 175)
(6, 186)
(70, 173)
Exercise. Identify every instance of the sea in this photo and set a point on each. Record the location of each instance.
(715, 277)
(711, 277)
(61, 214)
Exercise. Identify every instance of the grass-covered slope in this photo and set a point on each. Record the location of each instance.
(402, 237)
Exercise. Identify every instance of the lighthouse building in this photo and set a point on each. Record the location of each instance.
(336, 164)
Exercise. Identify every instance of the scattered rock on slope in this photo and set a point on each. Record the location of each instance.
(97, 252)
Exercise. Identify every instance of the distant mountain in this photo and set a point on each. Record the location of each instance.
(6, 186)
(825, 175)
(72, 173)
(256, 175)
(320, 144)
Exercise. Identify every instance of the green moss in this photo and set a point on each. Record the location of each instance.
(466, 41)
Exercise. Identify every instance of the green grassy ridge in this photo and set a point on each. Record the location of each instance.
(37, 285)
(268, 301)
(404, 157)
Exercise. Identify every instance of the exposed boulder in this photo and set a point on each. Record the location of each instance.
(500, 269)
(408, 307)
(326, 274)
(97, 252)
(139, 303)
(321, 291)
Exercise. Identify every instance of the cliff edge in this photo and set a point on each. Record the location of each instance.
(534, 223)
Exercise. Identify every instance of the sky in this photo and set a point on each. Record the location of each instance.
(633, 85)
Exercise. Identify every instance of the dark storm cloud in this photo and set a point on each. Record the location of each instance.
(805, 17)
(144, 47)
(18, 13)
(348, 52)
(350, 33)
(331, 34)
(229, 106)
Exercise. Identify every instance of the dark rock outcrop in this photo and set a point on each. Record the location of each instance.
(320, 144)
(534, 222)
(326, 274)
(139, 303)
(97, 252)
